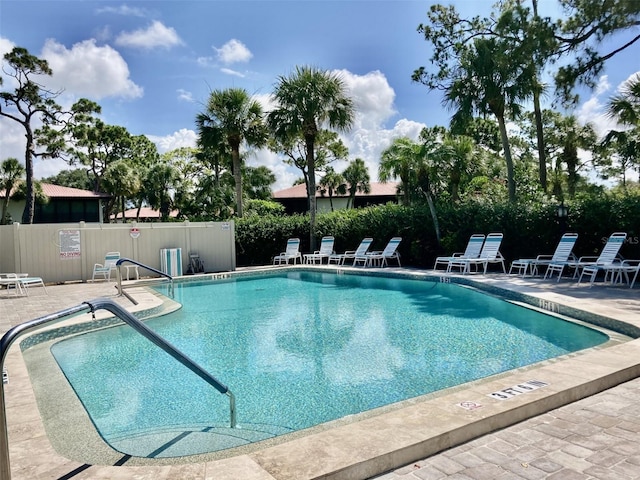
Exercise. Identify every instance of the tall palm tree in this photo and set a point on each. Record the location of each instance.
(625, 109)
(333, 182)
(238, 118)
(489, 81)
(358, 180)
(309, 100)
(402, 159)
(11, 171)
(455, 157)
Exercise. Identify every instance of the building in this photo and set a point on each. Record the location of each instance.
(294, 198)
(146, 214)
(65, 205)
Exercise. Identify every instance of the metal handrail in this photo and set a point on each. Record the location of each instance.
(91, 306)
(135, 262)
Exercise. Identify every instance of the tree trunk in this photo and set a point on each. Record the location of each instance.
(511, 183)
(237, 176)
(434, 215)
(311, 164)
(542, 154)
(29, 208)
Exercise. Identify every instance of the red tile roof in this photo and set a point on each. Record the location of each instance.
(145, 212)
(56, 191)
(377, 189)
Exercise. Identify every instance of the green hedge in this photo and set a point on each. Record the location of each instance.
(529, 229)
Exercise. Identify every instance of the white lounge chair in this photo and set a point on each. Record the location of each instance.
(11, 282)
(27, 281)
(626, 268)
(607, 262)
(560, 256)
(490, 253)
(326, 249)
(292, 252)
(340, 258)
(380, 259)
(474, 246)
(104, 269)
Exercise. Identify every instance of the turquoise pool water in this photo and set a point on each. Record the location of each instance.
(298, 349)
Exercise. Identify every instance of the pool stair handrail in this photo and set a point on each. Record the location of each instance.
(135, 262)
(92, 306)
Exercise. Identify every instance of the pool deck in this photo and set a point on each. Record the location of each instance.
(583, 423)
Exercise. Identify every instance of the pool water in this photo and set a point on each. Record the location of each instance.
(298, 349)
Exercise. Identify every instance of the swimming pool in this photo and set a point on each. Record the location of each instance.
(298, 349)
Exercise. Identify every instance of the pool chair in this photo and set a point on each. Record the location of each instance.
(26, 282)
(291, 253)
(11, 282)
(623, 270)
(340, 258)
(380, 259)
(326, 249)
(474, 246)
(608, 261)
(561, 256)
(490, 253)
(104, 269)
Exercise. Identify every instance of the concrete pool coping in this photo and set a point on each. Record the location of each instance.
(382, 442)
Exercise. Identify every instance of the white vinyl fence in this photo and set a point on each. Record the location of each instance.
(67, 252)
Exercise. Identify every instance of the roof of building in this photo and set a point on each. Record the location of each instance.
(57, 191)
(145, 212)
(377, 189)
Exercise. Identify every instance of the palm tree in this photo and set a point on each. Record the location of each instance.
(357, 177)
(233, 115)
(403, 159)
(454, 156)
(333, 182)
(11, 171)
(160, 184)
(489, 81)
(308, 100)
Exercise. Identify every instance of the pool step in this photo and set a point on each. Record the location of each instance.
(178, 442)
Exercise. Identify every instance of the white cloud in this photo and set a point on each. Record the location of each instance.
(373, 99)
(372, 96)
(6, 46)
(593, 110)
(87, 70)
(182, 138)
(185, 96)
(156, 35)
(124, 10)
(235, 73)
(234, 51)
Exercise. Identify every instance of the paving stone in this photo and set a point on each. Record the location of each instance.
(605, 458)
(546, 465)
(485, 471)
(429, 473)
(568, 474)
(467, 459)
(553, 431)
(604, 421)
(629, 469)
(525, 470)
(607, 473)
(489, 455)
(446, 464)
(528, 453)
(569, 461)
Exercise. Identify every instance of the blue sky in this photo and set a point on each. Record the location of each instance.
(152, 64)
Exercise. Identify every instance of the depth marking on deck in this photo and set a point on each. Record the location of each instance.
(524, 387)
(469, 405)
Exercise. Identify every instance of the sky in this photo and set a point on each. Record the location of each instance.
(151, 65)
